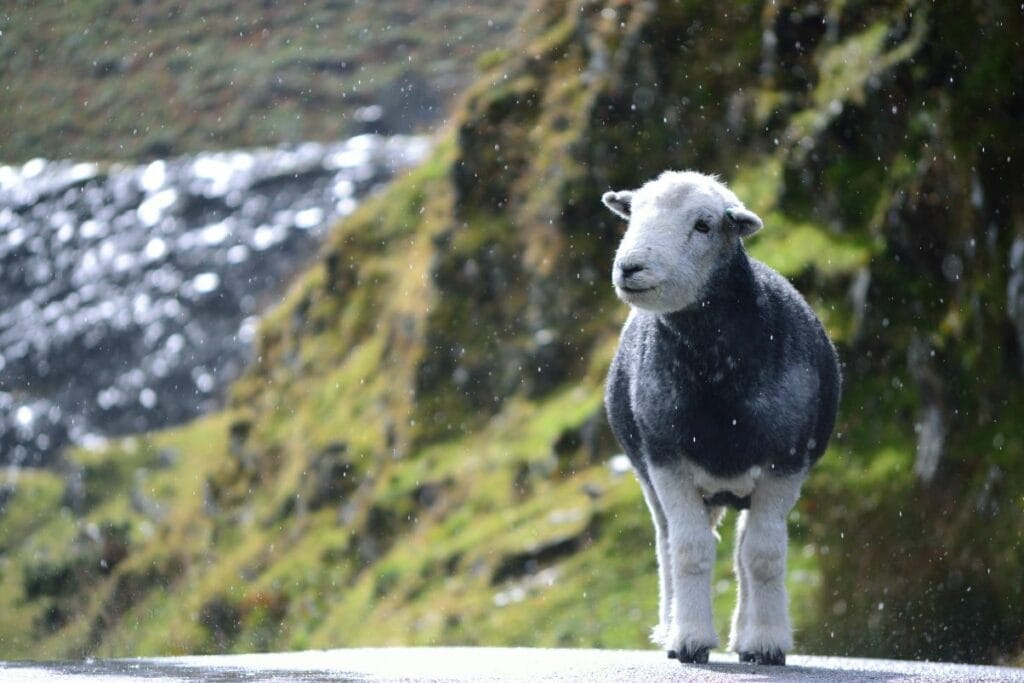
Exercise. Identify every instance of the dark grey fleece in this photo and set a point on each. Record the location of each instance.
(745, 377)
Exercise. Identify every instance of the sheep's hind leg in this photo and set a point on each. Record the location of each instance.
(691, 555)
(659, 634)
(763, 634)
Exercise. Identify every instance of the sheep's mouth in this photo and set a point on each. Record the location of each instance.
(635, 290)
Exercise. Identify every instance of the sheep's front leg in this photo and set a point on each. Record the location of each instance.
(743, 583)
(761, 628)
(659, 634)
(691, 555)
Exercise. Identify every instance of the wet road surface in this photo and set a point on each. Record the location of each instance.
(490, 664)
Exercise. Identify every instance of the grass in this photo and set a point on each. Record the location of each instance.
(102, 81)
(296, 583)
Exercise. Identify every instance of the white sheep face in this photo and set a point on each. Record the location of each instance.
(681, 225)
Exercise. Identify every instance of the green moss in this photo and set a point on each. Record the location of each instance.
(844, 69)
(847, 70)
(492, 59)
(793, 247)
(28, 504)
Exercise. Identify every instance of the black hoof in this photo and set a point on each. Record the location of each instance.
(774, 658)
(699, 656)
(672, 654)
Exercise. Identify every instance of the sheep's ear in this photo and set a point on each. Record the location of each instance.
(746, 222)
(619, 202)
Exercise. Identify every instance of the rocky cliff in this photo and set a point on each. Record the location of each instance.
(419, 455)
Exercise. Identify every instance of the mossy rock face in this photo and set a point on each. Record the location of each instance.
(455, 334)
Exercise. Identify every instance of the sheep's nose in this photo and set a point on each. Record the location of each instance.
(629, 269)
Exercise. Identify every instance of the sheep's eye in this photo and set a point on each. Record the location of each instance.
(702, 226)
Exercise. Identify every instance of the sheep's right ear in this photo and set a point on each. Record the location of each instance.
(619, 202)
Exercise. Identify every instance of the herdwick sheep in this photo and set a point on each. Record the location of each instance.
(723, 391)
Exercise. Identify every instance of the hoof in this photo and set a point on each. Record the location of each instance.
(773, 658)
(699, 656)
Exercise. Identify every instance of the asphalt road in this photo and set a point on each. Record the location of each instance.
(490, 664)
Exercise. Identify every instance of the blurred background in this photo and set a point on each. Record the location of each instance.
(305, 313)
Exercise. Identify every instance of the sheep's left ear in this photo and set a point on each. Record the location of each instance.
(745, 221)
(619, 202)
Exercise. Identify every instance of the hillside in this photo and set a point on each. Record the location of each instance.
(103, 80)
(419, 454)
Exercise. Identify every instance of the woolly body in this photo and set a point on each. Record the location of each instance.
(724, 390)
(744, 378)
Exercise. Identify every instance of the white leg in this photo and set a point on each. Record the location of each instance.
(660, 632)
(743, 582)
(763, 632)
(691, 552)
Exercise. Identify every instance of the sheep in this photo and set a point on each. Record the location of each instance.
(723, 391)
